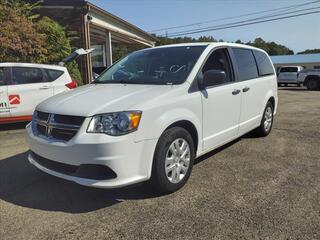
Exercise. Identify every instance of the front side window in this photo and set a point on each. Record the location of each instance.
(263, 63)
(219, 60)
(2, 77)
(26, 75)
(167, 65)
(247, 68)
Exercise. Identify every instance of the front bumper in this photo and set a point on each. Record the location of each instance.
(131, 161)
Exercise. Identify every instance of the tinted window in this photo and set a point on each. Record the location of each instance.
(2, 77)
(25, 75)
(219, 60)
(166, 65)
(247, 68)
(264, 64)
(289, 69)
(53, 74)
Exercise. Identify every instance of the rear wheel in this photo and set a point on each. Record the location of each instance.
(312, 84)
(266, 122)
(173, 160)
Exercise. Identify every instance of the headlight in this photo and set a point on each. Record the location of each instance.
(115, 124)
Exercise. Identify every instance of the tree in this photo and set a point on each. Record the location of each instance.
(19, 40)
(58, 45)
(309, 51)
(26, 38)
(271, 48)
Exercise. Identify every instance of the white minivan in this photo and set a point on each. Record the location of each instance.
(152, 113)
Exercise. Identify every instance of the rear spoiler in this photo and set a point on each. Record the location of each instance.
(77, 53)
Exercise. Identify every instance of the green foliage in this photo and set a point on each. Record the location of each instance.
(308, 51)
(19, 40)
(22, 8)
(271, 48)
(26, 38)
(58, 44)
(74, 72)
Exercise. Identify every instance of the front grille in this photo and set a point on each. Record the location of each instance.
(56, 126)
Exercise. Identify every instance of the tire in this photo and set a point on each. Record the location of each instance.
(312, 84)
(163, 179)
(263, 130)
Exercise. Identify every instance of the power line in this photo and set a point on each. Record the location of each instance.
(245, 24)
(238, 16)
(244, 21)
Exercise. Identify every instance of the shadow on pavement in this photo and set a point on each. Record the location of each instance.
(24, 185)
(13, 126)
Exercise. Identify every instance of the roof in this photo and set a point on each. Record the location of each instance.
(212, 44)
(296, 59)
(13, 64)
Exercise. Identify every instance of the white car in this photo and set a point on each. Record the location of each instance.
(289, 75)
(152, 113)
(23, 86)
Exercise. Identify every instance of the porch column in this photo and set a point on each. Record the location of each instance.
(108, 49)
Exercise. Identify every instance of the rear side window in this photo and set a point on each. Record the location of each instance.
(26, 75)
(263, 63)
(247, 68)
(2, 77)
(289, 69)
(53, 74)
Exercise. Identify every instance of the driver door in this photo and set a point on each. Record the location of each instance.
(221, 103)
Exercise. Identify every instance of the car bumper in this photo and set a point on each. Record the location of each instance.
(131, 161)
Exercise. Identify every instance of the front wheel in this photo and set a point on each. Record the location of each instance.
(266, 122)
(173, 160)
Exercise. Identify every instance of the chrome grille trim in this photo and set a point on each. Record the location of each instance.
(66, 131)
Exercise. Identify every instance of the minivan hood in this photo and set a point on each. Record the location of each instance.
(95, 99)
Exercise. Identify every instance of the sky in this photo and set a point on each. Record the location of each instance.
(298, 33)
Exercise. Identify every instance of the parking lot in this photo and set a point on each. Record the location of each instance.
(253, 188)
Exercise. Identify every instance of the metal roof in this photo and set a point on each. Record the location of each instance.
(296, 59)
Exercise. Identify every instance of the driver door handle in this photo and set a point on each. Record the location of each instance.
(246, 89)
(235, 92)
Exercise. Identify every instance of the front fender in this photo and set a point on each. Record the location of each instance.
(152, 128)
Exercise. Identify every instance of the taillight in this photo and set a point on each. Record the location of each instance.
(71, 85)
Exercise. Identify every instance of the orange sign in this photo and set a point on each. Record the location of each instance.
(14, 99)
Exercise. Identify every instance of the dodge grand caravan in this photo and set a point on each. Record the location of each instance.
(152, 113)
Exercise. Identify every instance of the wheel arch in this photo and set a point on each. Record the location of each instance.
(309, 77)
(190, 127)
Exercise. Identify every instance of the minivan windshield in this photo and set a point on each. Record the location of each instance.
(163, 66)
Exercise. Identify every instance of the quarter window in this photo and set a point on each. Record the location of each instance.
(53, 74)
(263, 63)
(247, 68)
(26, 75)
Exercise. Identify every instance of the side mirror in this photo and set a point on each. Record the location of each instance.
(213, 77)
